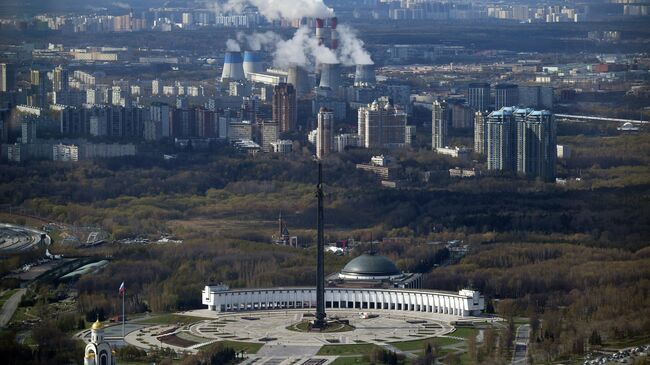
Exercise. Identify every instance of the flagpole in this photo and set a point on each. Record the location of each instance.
(123, 294)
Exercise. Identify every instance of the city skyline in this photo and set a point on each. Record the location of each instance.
(324, 182)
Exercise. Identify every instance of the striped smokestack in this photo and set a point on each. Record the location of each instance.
(320, 34)
(335, 37)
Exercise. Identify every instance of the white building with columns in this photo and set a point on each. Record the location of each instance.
(464, 303)
(368, 282)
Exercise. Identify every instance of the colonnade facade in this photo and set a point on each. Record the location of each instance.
(464, 303)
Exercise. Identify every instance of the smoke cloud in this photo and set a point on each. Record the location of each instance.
(257, 41)
(302, 50)
(351, 50)
(278, 9)
(121, 5)
(232, 46)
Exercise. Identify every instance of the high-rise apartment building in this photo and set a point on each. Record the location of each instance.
(183, 123)
(478, 96)
(345, 140)
(501, 142)
(7, 77)
(158, 125)
(480, 132)
(269, 133)
(505, 95)
(28, 129)
(40, 87)
(440, 118)
(285, 110)
(207, 123)
(60, 79)
(381, 125)
(462, 115)
(156, 87)
(522, 140)
(325, 134)
(249, 108)
(536, 96)
(98, 120)
(537, 144)
(71, 120)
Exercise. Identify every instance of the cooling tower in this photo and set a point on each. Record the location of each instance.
(233, 68)
(252, 62)
(364, 75)
(297, 76)
(330, 75)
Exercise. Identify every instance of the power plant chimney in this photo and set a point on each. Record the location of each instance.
(320, 23)
(364, 75)
(297, 76)
(334, 35)
(252, 63)
(322, 33)
(233, 68)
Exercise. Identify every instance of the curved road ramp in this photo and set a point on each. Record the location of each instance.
(15, 238)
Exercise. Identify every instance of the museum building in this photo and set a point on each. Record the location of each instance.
(367, 282)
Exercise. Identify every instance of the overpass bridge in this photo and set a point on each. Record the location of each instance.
(587, 118)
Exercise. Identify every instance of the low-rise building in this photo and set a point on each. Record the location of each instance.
(282, 146)
(62, 152)
(463, 173)
(563, 151)
(462, 153)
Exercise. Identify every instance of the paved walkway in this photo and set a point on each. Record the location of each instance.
(9, 308)
(519, 356)
(282, 346)
(271, 327)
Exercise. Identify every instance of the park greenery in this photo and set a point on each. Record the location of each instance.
(572, 258)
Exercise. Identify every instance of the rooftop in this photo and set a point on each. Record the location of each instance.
(371, 265)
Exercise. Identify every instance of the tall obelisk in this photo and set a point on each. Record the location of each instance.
(320, 322)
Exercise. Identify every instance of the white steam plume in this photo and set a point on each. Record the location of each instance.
(350, 49)
(302, 50)
(232, 46)
(121, 5)
(278, 9)
(257, 41)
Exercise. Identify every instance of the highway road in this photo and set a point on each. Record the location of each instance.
(519, 356)
(10, 306)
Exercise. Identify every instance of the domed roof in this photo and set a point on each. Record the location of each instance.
(371, 265)
(97, 325)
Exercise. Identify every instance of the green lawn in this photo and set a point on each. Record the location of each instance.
(419, 344)
(170, 319)
(6, 295)
(465, 359)
(350, 360)
(357, 349)
(464, 332)
(21, 314)
(248, 347)
(634, 341)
